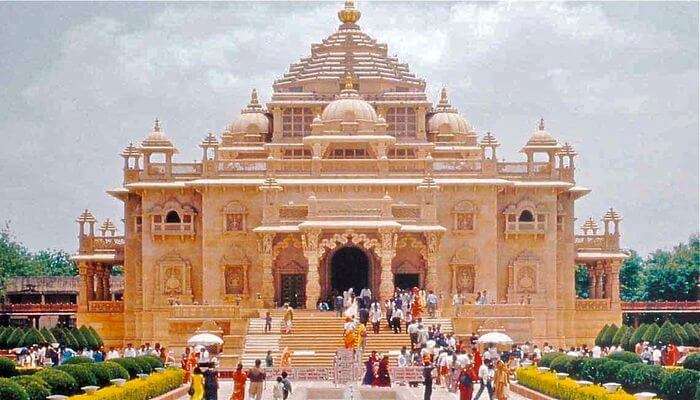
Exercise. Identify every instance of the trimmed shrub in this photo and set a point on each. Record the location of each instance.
(79, 360)
(637, 378)
(35, 387)
(638, 335)
(650, 333)
(567, 388)
(682, 335)
(102, 373)
(562, 363)
(96, 336)
(153, 386)
(575, 366)
(680, 384)
(692, 362)
(8, 368)
(667, 334)
(625, 356)
(600, 370)
(48, 336)
(4, 335)
(609, 370)
(80, 339)
(606, 339)
(129, 363)
(89, 338)
(70, 340)
(31, 337)
(693, 335)
(10, 390)
(547, 358)
(15, 338)
(116, 371)
(599, 337)
(618, 335)
(144, 364)
(81, 373)
(59, 382)
(625, 341)
(153, 361)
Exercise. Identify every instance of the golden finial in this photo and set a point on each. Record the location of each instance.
(349, 81)
(156, 126)
(541, 124)
(349, 15)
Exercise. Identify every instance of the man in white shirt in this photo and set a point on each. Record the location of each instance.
(112, 354)
(596, 352)
(485, 378)
(130, 351)
(432, 301)
(656, 356)
(396, 317)
(403, 359)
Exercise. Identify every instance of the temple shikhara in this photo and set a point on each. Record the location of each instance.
(348, 176)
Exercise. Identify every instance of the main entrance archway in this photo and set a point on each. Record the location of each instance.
(349, 268)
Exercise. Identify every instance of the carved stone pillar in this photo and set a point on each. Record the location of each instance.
(99, 283)
(592, 284)
(600, 290)
(386, 254)
(453, 286)
(615, 282)
(267, 291)
(608, 282)
(85, 294)
(106, 276)
(313, 280)
(432, 241)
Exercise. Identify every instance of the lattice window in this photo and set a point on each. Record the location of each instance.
(138, 224)
(296, 121)
(464, 216)
(297, 153)
(349, 153)
(234, 217)
(402, 153)
(401, 121)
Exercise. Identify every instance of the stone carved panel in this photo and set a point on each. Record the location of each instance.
(173, 279)
(406, 212)
(524, 276)
(465, 279)
(234, 278)
(293, 213)
(234, 272)
(349, 238)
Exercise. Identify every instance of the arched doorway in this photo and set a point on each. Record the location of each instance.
(349, 268)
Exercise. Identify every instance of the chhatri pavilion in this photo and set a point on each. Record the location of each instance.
(349, 176)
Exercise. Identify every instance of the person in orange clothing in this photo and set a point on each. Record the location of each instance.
(672, 354)
(417, 305)
(360, 337)
(286, 358)
(239, 379)
(185, 364)
(476, 356)
(349, 337)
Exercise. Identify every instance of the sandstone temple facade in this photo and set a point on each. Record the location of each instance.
(349, 176)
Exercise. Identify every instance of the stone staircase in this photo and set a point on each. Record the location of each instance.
(257, 342)
(316, 336)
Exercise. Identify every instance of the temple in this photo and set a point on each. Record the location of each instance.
(349, 176)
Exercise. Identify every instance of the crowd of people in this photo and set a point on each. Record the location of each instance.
(45, 354)
(281, 389)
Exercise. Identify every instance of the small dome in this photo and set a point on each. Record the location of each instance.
(349, 108)
(447, 119)
(252, 118)
(156, 138)
(541, 137)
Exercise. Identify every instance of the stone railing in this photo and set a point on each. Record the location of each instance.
(204, 311)
(173, 228)
(106, 306)
(456, 166)
(609, 242)
(681, 306)
(593, 304)
(36, 308)
(108, 243)
(495, 310)
(520, 227)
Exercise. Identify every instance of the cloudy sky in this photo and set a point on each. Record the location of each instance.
(617, 80)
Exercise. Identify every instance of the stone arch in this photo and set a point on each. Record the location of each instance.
(288, 259)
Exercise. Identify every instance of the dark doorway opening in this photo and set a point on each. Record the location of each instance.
(406, 281)
(293, 290)
(349, 269)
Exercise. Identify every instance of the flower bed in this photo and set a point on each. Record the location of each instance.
(565, 389)
(154, 385)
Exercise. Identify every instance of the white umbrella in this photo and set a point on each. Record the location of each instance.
(204, 339)
(495, 338)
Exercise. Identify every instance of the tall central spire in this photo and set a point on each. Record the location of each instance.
(349, 15)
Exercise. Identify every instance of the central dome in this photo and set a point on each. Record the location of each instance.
(349, 107)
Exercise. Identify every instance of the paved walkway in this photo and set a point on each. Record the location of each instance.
(439, 393)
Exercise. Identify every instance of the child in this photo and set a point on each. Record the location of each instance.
(268, 322)
(278, 389)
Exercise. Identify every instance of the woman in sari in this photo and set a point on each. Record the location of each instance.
(349, 339)
(239, 379)
(185, 364)
(500, 380)
(368, 379)
(466, 383)
(197, 386)
(476, 356)
(417, 305)
(286, 358)
(383, 379)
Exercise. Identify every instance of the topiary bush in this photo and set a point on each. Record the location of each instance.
(600, 370)
(90, 340)
(153, 361)
(606, 339)
(132, 367)
(599, 337)
(10, 390)
(81, 373)
(102, 373)
(48, 336)
(635, 377)
(80, 339)
(625, 356)
(15, 338)
(32, 337)
(79, 360)
(153, 386)
(4, 335)
(693, 335)
(562, 363)
(59, 382)
(650, 333)
(692, 362)
(96, 336)
(619, 335)
(8, 368)
(637, 336)
(575, 366)
(680, 384)
(667, 334)
(144, 364)
(116, 371)
(547, 359)
(35, 387)
(70, 340)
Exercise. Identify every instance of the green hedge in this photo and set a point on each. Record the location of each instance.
(625, 356)
(680, 384)
(8, 368)
(102, 373)
(692, 362)
(10, 390)
(130, 364)
(637, 378)
(650, 333)
(116, 371)
(35, 387)
(547, 358)
(562, 363)
(140, 389)
(80, 372)
(59, 381)
(600, 370)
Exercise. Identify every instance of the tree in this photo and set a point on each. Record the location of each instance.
(581, 282)
(599, 337)
(625, 341)
(606, 339)
(667, 334)
(650, 333)
(15, 338)
(53, 262)
(638, 334)
(693, 337)
(91, 341)
(31, 337)
(619, 335)
(673, 275)
(631, 278)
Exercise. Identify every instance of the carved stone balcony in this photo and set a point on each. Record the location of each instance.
(173, 229)
(592, 304)
(35, 308)
(106, 306)
(525, 228)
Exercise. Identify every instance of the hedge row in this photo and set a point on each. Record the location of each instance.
(625, 368)
(627, 337)
(85, 337)
(564, 389)
(140, 389)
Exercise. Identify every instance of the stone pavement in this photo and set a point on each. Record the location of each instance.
(439, 393)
